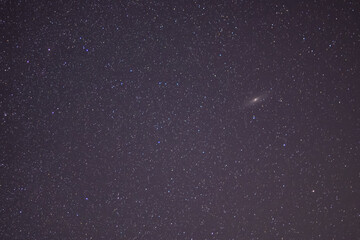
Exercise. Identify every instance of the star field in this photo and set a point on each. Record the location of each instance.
(180, 120)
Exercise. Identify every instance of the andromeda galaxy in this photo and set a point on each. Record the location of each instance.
(256, 100)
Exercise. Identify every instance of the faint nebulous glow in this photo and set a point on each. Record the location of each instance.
(256, 100)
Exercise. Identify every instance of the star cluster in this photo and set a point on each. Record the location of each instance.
(180, 120)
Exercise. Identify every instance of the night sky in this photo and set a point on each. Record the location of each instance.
(180, 120)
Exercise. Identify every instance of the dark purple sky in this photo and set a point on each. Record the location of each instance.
(180, 120)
